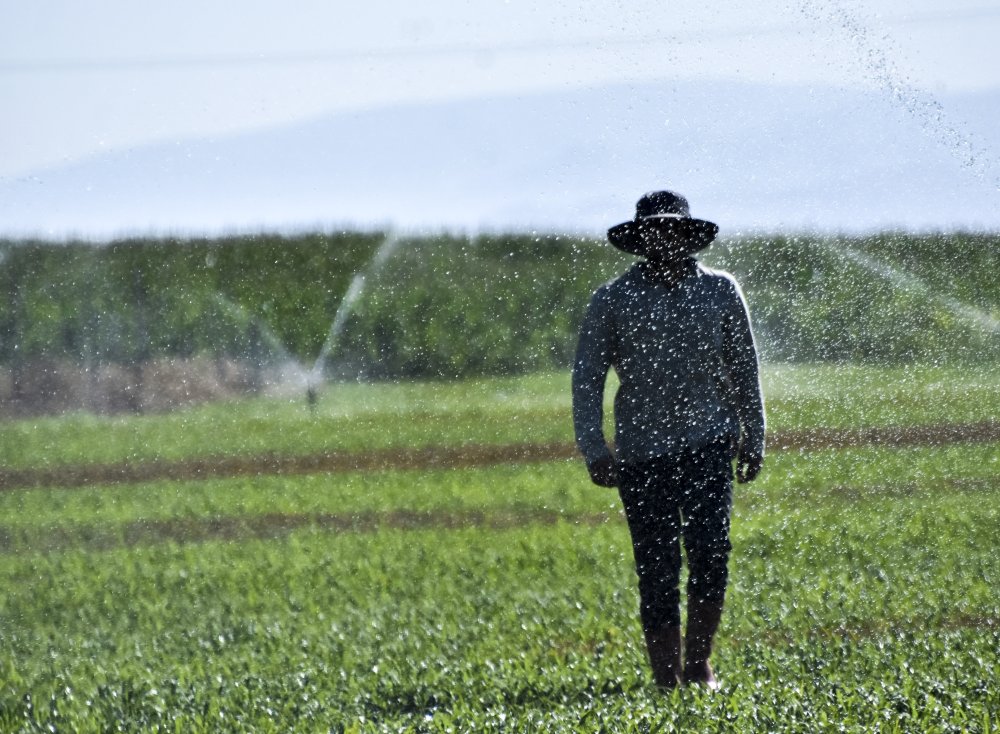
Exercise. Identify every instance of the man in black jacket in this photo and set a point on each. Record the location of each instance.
(678, 335)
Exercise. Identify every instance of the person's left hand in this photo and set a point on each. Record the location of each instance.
(748, 466)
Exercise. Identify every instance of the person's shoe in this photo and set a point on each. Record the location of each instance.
(664, 647)
(700, 674)
(703, 621)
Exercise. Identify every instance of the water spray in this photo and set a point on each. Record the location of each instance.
(904, 280)
(875, 55)
(315, 376)
(289, 365)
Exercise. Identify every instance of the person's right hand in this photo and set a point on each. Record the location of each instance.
(748, 466)
(603, 472)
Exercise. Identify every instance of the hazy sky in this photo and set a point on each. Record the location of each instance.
(78, 79)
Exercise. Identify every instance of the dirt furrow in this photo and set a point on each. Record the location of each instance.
(270, 526)
(443, 457)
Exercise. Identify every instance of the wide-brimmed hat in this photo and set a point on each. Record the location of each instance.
(663, 224)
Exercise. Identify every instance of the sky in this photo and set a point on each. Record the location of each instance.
(123, 117)
(79, 79)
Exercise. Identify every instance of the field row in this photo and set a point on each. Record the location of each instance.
(851, 609)
(352, 417)
(436, 457)
(563, 487)
(497, 598)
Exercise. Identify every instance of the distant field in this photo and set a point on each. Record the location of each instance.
(533, 409)
(495, 598)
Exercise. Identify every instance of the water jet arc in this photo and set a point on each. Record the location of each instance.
(344, 310)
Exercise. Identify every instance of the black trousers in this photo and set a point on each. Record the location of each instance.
(670, 498)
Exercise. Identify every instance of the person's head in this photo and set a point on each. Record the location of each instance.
(663, 229)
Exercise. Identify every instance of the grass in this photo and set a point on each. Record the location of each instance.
(830, 619)
(353, 417)
(557, 486)
(863, 594)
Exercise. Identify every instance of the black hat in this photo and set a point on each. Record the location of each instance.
(663, 223)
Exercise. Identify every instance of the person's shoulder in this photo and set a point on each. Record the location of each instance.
(720, 279)
(619, 283)
(714, 274)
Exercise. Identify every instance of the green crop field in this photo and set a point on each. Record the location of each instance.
(532, 409)
(499, 596)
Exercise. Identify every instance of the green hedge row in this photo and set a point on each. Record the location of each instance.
(887, 299)
(137, 298)
(456, 306)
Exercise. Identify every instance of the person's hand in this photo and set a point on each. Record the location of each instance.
(748, 466)
(603, 472)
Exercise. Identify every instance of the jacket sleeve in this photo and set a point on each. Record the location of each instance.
(594, 356)
(740, 357)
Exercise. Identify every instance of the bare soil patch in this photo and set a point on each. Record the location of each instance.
(44, 386)
(446, 457)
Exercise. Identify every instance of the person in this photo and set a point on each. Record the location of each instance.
(689, 402)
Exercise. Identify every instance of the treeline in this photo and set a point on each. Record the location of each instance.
(884, 299)
(131, 299)
(455, 306)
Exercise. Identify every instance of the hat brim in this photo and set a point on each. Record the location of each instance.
(683, 235)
